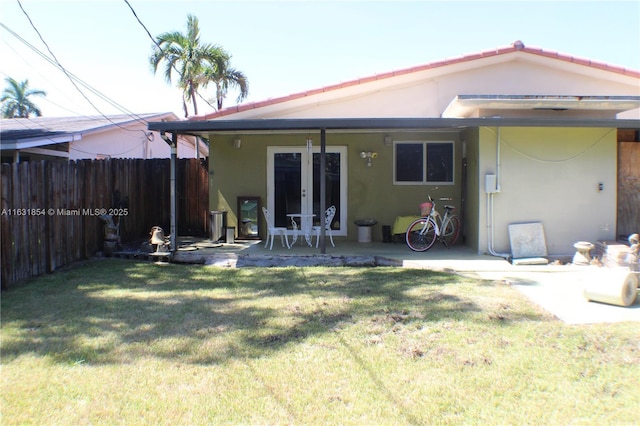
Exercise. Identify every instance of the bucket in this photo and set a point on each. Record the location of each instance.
(364, 234)
(231, 234)
(425, 209)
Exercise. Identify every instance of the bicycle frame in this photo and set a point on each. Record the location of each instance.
(423, 232)
(441, 221)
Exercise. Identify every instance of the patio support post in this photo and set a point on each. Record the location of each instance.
(172, 191)
(323, 189)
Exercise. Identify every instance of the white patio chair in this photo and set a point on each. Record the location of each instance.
(328, 218)
(272, 231)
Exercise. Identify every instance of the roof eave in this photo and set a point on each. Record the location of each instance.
(37, 142)
(463, 105)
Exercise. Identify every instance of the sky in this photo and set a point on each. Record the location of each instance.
(283, 47)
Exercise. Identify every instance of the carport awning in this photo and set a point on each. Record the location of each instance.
(352, 124)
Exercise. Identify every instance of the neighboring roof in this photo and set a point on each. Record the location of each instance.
(517, 46)
(19, 133)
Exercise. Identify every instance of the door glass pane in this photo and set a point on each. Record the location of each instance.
(287, 186)
(332, 186)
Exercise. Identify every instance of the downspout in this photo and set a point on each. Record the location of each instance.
(490, 229)
(498, 163)
(145, 146)
(490, 194)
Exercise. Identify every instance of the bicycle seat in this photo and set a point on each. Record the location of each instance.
(450, 208)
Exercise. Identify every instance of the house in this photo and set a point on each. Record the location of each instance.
(510, 135)
(98, 137)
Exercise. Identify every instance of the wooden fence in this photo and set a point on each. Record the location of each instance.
(50, 209)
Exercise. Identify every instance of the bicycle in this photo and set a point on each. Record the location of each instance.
(422, 233)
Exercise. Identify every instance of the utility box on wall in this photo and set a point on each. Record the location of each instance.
(490, 184)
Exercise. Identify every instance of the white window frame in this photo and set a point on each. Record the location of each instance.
(424, 162)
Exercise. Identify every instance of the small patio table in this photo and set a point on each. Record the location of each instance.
(306, 225)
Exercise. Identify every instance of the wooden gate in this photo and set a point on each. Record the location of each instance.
(628, 188)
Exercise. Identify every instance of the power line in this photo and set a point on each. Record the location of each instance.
(135, 117)
(75, 77)
(70, 76)
(56, 59)
(45, 78)
(36, 123)
(162, 51)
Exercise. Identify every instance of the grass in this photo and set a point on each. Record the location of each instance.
(121, 342)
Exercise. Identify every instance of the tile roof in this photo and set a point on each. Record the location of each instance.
(514, 47)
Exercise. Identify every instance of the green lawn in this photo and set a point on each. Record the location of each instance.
(123, 342)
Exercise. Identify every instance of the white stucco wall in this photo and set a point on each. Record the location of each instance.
(428, 93)
(128, 142)
(550, 175)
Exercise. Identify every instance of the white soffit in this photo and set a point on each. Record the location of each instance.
(39, 141)
(463, 106)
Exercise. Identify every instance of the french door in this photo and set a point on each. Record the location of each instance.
(293, 184)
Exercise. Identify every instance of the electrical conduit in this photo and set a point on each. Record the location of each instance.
(490, 224)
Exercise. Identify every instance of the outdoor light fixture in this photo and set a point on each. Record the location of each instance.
(368, 155)
(237, 143)
(387, 141)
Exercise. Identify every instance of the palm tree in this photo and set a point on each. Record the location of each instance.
(223, 76)
(15, 99)
(186, 55)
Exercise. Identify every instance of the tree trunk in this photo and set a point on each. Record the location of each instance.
(192, 92)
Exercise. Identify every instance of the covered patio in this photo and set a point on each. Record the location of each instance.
(345, 253)
(373, 193)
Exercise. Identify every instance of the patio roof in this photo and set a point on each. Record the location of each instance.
(363, 124)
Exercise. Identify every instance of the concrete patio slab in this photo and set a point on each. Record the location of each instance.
(561, 294)
(556, 287)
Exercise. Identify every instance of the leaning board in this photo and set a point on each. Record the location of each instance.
(527, 240)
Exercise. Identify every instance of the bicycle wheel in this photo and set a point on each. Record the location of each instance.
(451, 232)
(421, 234)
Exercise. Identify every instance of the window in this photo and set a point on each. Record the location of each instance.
(417, 163)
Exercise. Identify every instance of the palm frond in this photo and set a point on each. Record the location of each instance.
(194, 63)
(16, 102)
